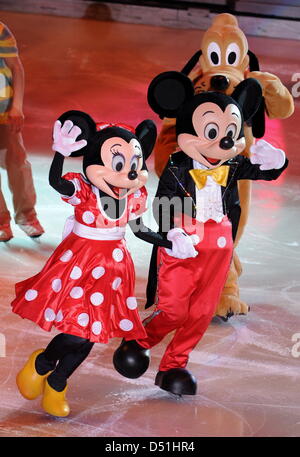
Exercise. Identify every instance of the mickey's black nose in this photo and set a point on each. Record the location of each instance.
(132, 175)
(226, 142)
(219, 82)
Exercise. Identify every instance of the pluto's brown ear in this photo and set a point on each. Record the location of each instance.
(191, 63)
(258, 120)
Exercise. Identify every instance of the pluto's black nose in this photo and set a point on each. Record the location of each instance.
(219, 82)
(226, 142)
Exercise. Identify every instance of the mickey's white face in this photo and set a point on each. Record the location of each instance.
(217, 132)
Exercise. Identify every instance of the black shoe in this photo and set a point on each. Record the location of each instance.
(178, 381)
(131, 360)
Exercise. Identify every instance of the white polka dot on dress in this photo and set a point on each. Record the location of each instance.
(76, 273)
(96, 327)
(126, 325)
(116, 283)
(98, 272)
(31, 294)
(88, 217)
(56, 285)
(59, 316)
(221, 242)
(83, 319)
(49, 315)
(117, 255)
(131, 303)
(96, 298)
(137, 193)
(74, 201)
(67, 256)
(76, 292)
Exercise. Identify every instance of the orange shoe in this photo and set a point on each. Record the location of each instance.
(55, 403)
(29, 382)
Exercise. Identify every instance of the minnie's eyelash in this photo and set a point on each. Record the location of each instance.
(117, 153)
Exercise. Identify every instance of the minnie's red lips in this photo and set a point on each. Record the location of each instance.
(118, 191)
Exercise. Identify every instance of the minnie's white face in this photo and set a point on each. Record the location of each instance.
(217, 132)
(121, 173)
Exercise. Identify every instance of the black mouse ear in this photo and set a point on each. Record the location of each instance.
(168, 91)
(146, 133)
(248, 95)
(84, 122)
(191, 63)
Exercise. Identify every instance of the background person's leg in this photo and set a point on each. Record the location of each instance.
(21, 185)
(5, 230)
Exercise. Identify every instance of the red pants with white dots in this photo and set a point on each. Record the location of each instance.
(188, 294)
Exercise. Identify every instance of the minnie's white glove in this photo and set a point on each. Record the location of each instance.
(182, 244)
(268, 157)
(64, 138)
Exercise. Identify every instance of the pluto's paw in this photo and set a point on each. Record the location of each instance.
(231, 305)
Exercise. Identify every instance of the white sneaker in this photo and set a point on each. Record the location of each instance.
(32, 229)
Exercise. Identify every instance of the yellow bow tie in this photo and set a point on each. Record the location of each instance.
(219, 175)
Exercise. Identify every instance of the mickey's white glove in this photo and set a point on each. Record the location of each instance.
(268, 157)
(64, 138)
(182, 244)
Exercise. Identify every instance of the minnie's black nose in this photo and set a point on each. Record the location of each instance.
(226, 142)
(132, 175)
(219, 82)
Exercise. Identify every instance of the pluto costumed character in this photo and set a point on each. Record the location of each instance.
(224, 61)
(197, 200)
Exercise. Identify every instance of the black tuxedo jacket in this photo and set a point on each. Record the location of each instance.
(176, 181)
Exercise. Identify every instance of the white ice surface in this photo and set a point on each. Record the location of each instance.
(248, 378)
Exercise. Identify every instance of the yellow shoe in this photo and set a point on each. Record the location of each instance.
(29, 382)
(55, 403)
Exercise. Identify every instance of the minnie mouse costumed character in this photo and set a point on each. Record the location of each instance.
(204, 177)
(86, 288)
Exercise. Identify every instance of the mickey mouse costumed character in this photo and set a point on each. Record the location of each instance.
(86, 288)
(204, 176)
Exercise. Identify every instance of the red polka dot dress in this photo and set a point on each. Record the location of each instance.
(86, 288)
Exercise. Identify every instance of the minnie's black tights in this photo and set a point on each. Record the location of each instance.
(63, 355)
